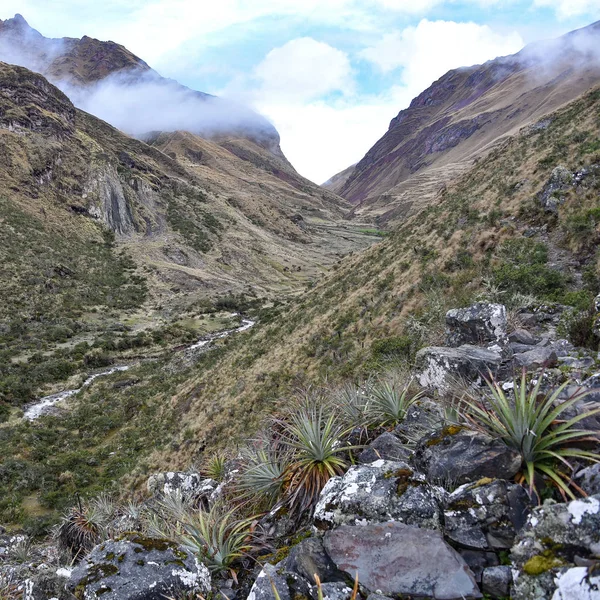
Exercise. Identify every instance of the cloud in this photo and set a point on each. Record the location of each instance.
(569, 8)
(303, 69)
(428, 50)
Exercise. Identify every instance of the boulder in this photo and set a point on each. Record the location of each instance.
(387, 447)
(536, 359)
(397, 559)
(486, 516)
(557, 539)
(496, 581)
(522, 336)
(478, 324)
(438, 368)
(457, 455)
(381, 491)
(309, 558)
(262, 589)
(138, 568)
(553, 194)
(588, 479)
(49, 583)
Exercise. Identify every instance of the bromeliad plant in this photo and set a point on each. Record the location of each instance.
(531, 423)
(391, 399)
(315, 441)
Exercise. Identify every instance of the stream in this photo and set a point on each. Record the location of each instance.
(40, 406)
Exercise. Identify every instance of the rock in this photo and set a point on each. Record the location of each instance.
(577, 583)
(387, 447)
(138, 568)
(536, 359)
(552, 196)
(336, 590)
(479, 324)
(420, 418)
(589, 479)
(556, 538)
(438, 368)
(309, 557)
(486, 517)
(381, 491)
(459, 455)
(395, 559)
(585, 362)
(496, 581)
(478, 560)
(263, 586)
(189, 485)
(522, 336)
(48, 584)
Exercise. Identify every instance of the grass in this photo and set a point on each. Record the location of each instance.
(530, 422)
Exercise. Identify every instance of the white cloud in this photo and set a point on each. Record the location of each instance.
(569, 8)
(430, 49)
(303, 69)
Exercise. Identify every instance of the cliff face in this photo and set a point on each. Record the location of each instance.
(461, 116)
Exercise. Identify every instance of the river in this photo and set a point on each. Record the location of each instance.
(41, 406)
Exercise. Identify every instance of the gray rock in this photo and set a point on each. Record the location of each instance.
(189, 485)
(48, 584)
(262, 589)
(522, 336)
(387, 447)
(486, 517)
(588, 479)
(455, 455)
(378, 492)
(520, 348)
(555, 539)
(478, 560)
(335, 590)
(536, 359)
(496, 581)
(420, 418)
(480, 323)
(138, 568)
(553, 194)
(393, 558)
(438, 368)
(585, 362)
(309, 558)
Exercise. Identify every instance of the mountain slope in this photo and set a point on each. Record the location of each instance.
(462, 116)
(94, 73)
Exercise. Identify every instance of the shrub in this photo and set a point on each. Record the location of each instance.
(262, 476)
(79, 530)
(530, 423)
(391, 399)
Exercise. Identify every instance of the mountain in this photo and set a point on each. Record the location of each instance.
(108, 80)
(461, 117)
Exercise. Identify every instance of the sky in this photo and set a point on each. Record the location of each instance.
(330, 74)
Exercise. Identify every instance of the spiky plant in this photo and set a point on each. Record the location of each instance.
(530, 422)
(316, 443)
(215, 466)
(391, 398)
(353, 403)
(218, 536)
(80, 530)
(262, 475)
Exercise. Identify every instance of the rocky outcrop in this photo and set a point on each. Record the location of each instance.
(138, 568)
(455, 455)
(479, 324)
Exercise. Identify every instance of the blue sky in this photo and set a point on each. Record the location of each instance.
(329, 73)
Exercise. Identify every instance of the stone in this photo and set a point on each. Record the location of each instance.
(536, 359)
(588, 479)
(486, 516)
(556, 539)
(457, 455)
(336, 590)
(478, 560)
(309, 557)
(138, 568)
(262, 589)
(496, 581)
(48, 584)
(378, 492)
(438, 368)
(522, 336)
(577, 583)
(189, 485)
(552, 196)
(387, 447)
(478, 324)
(395, 559)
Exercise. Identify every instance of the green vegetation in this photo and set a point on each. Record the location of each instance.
(526, 421)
